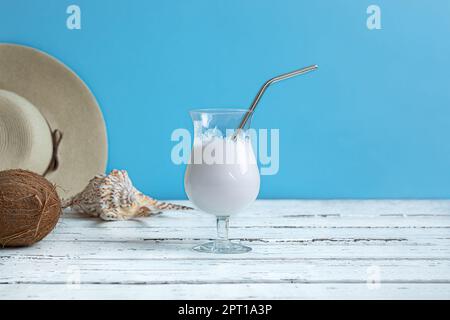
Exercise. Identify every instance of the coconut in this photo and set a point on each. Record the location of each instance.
(29, 208)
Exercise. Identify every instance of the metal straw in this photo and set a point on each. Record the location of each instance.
(266, 85)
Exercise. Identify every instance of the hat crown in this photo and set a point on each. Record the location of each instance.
(25, 136)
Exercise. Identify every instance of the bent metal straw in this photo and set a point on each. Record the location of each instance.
(266, 85)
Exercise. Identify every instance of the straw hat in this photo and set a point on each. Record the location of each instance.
(50, 122)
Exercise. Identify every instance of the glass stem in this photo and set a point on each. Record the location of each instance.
(222, 228)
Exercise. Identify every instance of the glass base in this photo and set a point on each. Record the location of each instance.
(226, 247)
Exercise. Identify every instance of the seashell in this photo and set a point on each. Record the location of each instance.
(113, 197)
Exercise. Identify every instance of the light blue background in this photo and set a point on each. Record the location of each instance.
(373, 122)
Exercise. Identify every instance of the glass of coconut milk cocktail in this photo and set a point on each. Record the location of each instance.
(222, 177)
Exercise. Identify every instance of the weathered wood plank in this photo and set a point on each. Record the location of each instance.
(197, 271)
(362, 208)
(280, 234)
(229, 291)
(196, 219)
(149, 250)
(301, 249)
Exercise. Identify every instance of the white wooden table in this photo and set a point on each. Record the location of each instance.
(301, 249)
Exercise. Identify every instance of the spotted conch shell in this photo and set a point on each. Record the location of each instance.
(113, 197)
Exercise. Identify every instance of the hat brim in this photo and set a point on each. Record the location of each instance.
(67, 104)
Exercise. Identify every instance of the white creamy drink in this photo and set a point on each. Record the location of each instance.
(223, 176)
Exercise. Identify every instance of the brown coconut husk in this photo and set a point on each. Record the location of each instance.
(29, 208)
